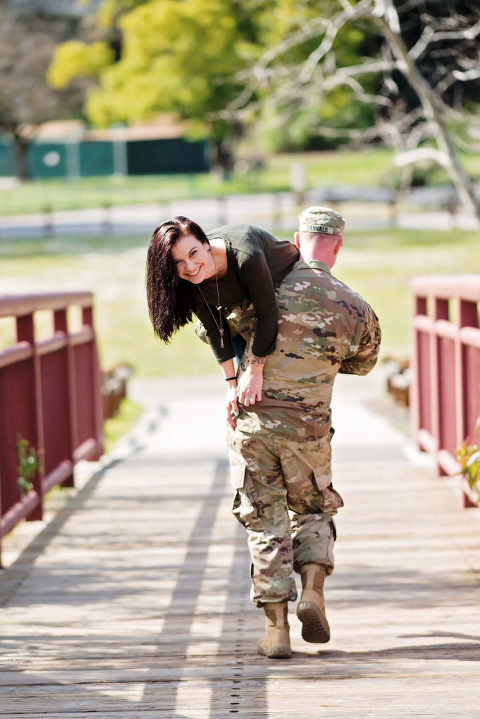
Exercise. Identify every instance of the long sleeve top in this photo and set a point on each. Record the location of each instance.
(256, 262)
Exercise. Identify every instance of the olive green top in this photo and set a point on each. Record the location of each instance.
(256, 262)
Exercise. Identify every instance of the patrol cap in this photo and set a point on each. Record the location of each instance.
(321, 219)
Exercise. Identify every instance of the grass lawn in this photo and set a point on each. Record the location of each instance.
(369, 167)
(116, 427)
(378, 264)
(381, 264)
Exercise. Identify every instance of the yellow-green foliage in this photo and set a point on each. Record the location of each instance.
(76, 59)
(468, 456)
(177, 57)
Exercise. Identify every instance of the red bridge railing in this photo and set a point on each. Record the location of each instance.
(49, 396)
(445, 394)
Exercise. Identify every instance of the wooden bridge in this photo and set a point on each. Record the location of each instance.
(132, 601)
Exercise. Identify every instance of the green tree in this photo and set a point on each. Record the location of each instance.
(175, 57)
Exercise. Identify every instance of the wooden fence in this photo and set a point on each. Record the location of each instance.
(445, 393)
(50, 398)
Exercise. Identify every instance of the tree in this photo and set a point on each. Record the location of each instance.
(176, 57)
(421, 78)
(403, 72)
(26, 100)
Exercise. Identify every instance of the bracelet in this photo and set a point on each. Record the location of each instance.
(227, 379)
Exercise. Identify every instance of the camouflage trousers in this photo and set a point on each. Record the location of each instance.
(285, 500)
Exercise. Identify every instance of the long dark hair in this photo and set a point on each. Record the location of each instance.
(170, 299)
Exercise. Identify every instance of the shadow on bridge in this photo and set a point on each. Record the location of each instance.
(133, 599)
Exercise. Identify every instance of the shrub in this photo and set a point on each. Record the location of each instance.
(468, 456)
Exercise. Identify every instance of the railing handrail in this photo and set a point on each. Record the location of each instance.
(25, 304)
(464, 286)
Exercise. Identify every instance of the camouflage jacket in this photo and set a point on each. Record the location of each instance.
(324, 328)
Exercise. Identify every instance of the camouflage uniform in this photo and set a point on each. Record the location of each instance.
(280, 449)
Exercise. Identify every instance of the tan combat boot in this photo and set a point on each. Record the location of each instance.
(276, 642)
(311, 607)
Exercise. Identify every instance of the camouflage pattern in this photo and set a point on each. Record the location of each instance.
(273, 476)
(280, 449)
(324, 328)
(321, 219)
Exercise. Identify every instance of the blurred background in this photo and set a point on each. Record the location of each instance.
(115, 114)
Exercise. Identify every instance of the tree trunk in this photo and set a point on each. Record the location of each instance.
(20, 145)
(223, 157)
(434, 114)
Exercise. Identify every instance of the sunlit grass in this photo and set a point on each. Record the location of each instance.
(322, 169)
(116, 427)
(381, 265)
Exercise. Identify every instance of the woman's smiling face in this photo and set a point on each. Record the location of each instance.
(193, 259)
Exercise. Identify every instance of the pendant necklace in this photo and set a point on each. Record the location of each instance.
(218, 324)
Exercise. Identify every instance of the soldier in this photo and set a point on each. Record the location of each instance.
(280, 447)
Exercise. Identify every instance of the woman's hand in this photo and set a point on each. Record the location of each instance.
(249, 388)
(231, 403)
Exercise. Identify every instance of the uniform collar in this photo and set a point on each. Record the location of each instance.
(317, 265)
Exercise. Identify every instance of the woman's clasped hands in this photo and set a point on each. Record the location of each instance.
(246, 391)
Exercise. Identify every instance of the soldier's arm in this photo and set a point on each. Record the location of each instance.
(365, 355)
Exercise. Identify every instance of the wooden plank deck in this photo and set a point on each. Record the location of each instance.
(133, 601)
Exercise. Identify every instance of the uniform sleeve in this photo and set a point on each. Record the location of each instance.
(212, 334)
(366, 351)
(258, 281)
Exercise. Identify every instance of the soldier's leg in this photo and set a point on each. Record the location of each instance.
(260, 505)
(313, 537)
(313, 502)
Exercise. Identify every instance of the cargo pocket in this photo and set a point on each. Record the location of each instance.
(315, 454)
(238, 467)
(331, 500)
(245, 507)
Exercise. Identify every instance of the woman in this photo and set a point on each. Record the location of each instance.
(190, 273)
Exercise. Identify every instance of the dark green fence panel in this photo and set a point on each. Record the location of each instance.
(48, 159)
(96, 158)
(7, 158)
(151, 157)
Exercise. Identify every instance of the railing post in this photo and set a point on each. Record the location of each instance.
(420, 308)
(87, 320)
(1, 515)
(467, 316)
(60, 324)
(25, 328)
(439, 312)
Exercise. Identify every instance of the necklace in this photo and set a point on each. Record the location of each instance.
(218, 324)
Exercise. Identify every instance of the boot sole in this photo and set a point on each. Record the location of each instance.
(278, 652)
(315, 627)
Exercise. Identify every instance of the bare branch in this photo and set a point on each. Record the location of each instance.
(258, 73)
(421, 154)
(333, 28)
(468, 33)
(366, 134)
(450, 42)
(422, 43)
(386, 9)
(472, 74)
